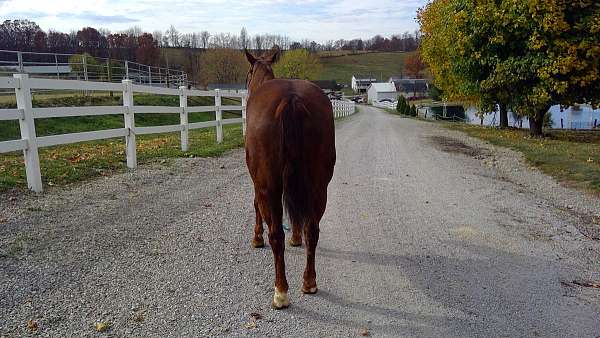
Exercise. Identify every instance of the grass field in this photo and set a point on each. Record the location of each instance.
(571, 157)
(380, 65)
(66, 164)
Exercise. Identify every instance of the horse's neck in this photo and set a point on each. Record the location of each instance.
(257, 85)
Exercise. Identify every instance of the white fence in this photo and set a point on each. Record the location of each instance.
(26, 114)
(342, 108)
(88, 68)
(385, 104)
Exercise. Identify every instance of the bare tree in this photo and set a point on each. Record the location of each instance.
(205, 38)
(243, 38)
(173, 36)
(258, 42)
(158, 36)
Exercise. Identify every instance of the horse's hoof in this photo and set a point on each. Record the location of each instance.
(258, 243)
(293, 242)
(280, 300)
(309, 291)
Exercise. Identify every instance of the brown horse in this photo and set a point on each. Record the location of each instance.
(290, 153)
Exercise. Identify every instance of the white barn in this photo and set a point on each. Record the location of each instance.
(381, 90)
(360, 83)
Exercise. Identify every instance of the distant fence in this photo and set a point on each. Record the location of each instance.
(29, 143)
(87, 68)
(342, 108)
(385, 104)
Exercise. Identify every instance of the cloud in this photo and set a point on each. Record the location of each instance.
(97, 18)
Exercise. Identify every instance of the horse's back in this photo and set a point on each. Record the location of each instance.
(291, 119)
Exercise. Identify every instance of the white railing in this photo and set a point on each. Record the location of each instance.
(88, 68)
(26, 114)
(342, 108)
(385, 104)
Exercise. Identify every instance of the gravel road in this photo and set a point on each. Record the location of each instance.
(427, 233)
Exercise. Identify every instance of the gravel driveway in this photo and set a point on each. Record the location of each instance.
(427, 233)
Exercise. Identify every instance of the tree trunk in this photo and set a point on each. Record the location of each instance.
(503, 116)
(536, 124)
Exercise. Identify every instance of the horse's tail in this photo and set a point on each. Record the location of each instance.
(296, 183)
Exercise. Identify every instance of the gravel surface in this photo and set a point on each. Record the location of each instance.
(427, 233)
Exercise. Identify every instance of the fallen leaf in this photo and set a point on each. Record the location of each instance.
(3, 220)
(587, 284)
(250, 325)
(32, 325)
(256, 315)
(101, 326)
(364, 332)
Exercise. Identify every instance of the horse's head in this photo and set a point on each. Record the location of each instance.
(260, 70)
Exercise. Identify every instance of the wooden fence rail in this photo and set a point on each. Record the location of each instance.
(26, 115)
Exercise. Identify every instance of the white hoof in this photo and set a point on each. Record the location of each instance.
(310, 291)
(280, 300)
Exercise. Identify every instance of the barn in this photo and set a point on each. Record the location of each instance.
(381, 90)
(360, 83)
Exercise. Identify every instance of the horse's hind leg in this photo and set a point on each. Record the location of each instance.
(311, 237)
(272, 212)
(296, 239)
(258, 241)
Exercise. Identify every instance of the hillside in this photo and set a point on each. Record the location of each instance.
(380, 65)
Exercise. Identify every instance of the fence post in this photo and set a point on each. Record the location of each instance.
(130, 148)
(126, 69)
(27, 126)
(56, 63)
(85, 70)
(20, 61)
(149, 76)
(183, 116)
(244, 101)
(218, 116)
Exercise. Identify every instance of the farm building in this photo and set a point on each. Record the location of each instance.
(409, 88)
(378, 91)
(328, 86)
(360, 83)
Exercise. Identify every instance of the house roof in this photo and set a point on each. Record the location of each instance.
(364, 77)
(326, 84)
(383, 87)
(410, 85)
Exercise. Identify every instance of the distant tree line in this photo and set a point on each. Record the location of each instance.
(134, 44)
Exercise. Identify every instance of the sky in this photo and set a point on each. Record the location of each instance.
(318, 20)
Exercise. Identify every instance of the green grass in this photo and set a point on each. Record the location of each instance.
(380, 65)
(66, 164)
(569, 156)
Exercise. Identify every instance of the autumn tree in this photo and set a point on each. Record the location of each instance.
(414, 65)
(298, 64)
(526, 55)
(147, 51)
(222, 66)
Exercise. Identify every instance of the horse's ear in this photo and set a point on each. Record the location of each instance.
(275, 56)
(249, 57)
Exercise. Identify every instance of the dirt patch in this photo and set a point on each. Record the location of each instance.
(451, 145)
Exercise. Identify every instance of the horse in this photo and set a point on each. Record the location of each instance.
(290, 155)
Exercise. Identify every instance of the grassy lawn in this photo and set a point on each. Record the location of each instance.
(75, 162)
(571, 157)
(380, 65)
